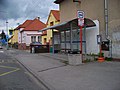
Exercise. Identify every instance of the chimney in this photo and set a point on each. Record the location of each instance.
(38, 18)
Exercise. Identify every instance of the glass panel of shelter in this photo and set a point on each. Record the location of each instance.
(65, 40)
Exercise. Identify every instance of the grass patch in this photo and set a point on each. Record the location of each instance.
(108, 59)
(65, 62)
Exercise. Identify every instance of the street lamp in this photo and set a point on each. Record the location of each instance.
(7, 34)
(6, 27)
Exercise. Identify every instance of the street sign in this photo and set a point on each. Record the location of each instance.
(80, 15)
(80, 22)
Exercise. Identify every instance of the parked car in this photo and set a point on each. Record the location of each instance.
(36, 44)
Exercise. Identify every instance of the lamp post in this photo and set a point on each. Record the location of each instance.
(7, 34)
(6, 27)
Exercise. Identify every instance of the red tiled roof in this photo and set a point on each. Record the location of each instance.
(56, 14)
(17, 27)
(26, 23)
(35, 25)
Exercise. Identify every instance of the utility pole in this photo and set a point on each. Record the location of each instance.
(6, 27)
(7, 34)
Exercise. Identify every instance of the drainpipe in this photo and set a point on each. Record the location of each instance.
(106, 18)
(53, 44)
(106, 26)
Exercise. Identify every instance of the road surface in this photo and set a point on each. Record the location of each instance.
(14, 76)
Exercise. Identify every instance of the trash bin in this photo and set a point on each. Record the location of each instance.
(51, 49)
(34, 46)
(74, 57)
(33, 50)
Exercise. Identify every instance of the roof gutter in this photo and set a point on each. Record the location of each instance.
(58, 1)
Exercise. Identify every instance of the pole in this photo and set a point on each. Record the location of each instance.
(106, 18)
(6, 26)
(53, 41)
(81, 42)
(7, 34)
(100, 51)
(71, 38)
(101, 58)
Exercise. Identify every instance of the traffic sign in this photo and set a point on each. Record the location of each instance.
(80, 15)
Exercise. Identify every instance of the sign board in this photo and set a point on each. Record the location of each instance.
(80, 15)
(99, 39)
(105, 45)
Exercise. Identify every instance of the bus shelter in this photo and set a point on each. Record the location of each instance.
(66, 36)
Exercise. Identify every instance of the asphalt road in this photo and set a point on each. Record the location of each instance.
(15, 77)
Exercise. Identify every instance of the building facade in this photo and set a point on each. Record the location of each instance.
(106, 12)
(28, 33)
(14, 37)
(53, 19)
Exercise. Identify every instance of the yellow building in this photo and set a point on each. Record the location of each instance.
(53, 19)
(14, 38)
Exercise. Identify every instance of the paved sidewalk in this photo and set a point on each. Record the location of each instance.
(58, 76)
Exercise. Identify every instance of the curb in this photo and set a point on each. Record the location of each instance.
(45, 84)
(54, 58)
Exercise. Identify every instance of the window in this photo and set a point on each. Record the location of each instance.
(39, 39)
(51, 23)
(33, 38)
(45, 40)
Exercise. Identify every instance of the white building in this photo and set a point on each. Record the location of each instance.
(28, 33)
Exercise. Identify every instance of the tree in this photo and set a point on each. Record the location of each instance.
(3, 36)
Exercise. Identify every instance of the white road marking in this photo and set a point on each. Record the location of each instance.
(1, 51)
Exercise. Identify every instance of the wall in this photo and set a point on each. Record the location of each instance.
(45, 36)
(114, 10)
(91, 39)
(26, 36)
(14, 39)
(51, 19)
(94, 11)
(67, 10)
(16, 35)
(114, 33)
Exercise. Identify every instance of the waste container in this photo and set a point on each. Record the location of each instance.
(33, 50)
(74, 57)
(34, 47)
(51, 49)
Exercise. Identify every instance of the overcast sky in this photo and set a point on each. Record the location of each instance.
(17, 11)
